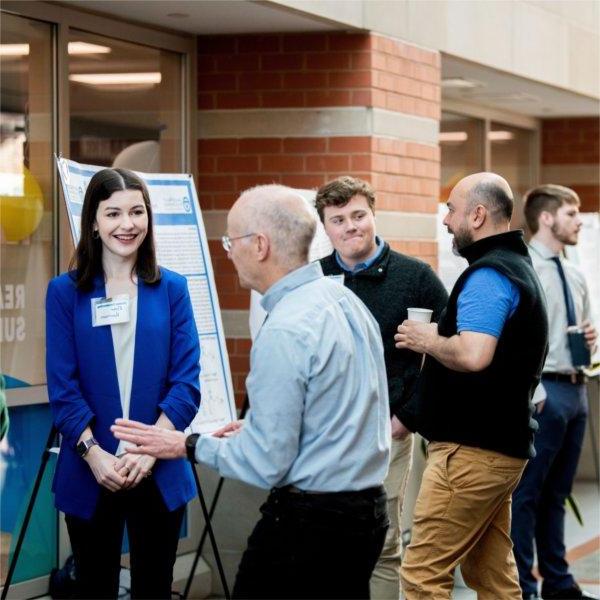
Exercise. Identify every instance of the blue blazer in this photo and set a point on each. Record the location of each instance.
(83, 387)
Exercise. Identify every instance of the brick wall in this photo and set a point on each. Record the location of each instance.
(239, 362)
(404, 174)
(311, 72)
(570, 156)
(316, 70)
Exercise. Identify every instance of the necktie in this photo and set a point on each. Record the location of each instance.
(570, 306)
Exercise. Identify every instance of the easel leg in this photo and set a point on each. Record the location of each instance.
(211, 535)
(211, 512)
(29, 511)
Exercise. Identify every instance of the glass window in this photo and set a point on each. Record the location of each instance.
(26, 246)
(462, 150)
(126, 109)
(26, 196)
(511, 157)
(125, 104)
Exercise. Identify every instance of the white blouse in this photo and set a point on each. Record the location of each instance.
(123, 335)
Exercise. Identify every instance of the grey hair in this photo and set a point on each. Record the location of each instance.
(494, 197)
(285, 217)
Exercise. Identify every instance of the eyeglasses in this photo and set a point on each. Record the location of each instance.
(226, 240)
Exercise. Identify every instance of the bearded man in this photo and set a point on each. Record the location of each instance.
(483, 361)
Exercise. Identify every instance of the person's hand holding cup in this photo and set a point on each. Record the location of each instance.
(417, 331)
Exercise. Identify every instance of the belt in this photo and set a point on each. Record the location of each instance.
(575, 378)
(292, 489)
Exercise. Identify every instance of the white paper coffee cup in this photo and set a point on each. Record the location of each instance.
(420, 314)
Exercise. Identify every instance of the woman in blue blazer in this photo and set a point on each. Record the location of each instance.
(121, 340)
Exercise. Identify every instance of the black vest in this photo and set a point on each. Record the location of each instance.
(492, 408)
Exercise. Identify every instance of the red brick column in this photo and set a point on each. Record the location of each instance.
(310, 108)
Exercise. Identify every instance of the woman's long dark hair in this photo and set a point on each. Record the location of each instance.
(87, 259)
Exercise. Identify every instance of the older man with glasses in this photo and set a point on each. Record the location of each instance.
(318, 431)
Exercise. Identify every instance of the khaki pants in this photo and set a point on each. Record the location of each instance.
(462, 516)
(385, 581)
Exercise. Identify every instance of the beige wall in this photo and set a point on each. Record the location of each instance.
(556, 42)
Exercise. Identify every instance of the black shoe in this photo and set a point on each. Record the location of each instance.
(571, 593)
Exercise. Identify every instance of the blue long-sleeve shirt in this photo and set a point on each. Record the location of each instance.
(319, 415)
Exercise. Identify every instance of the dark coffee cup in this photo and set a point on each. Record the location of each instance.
(580, 352)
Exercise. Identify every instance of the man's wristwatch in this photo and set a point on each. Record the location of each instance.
(84, 446)
(190, 446)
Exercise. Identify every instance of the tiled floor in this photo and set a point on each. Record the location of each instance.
(583, 543)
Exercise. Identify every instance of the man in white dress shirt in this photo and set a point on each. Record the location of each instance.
(552, 214)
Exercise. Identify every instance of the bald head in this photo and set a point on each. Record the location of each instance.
(283, 216)
(489, 190)
(479, 205)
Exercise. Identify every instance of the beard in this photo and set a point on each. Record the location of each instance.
(462, 238)
(561, 235)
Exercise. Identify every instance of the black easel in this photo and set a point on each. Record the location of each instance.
(38, 480)
(207, 526)
(213, 542)
(29, 511)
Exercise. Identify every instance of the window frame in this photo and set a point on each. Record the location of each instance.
(489, 115)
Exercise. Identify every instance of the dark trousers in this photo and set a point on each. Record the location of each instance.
(314, 545)
(538, 511)
(153, 534)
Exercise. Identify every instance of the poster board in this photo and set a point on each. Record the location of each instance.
(181, 246)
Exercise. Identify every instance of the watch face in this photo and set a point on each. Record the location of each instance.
(190, 446)
(83, 447)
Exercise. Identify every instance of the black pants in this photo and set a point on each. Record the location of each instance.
(153, 534)
(314, 545)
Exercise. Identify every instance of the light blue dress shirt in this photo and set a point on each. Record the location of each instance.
(319, 417)
(361, 266)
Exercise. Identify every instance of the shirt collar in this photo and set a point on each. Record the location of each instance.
(289, 282)
(542, 249)
(361, 266)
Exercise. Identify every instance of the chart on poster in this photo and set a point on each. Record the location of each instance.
(182, 246)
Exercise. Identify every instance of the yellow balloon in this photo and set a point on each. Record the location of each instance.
(20, 216)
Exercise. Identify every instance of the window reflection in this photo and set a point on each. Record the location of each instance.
(26, 178)
(511, 157)
(26, 255)
(125, 104)
(461, 143)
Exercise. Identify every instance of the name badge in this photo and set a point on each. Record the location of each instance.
(110, 311)
(337, 278)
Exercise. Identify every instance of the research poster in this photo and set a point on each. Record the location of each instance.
(181, 246)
